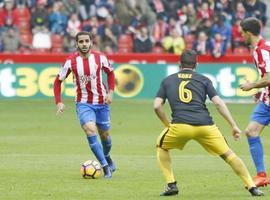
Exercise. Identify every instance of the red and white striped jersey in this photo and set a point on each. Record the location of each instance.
(87, 76)
(261, 55)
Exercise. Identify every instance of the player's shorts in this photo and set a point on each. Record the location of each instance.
(261, 114)
(100, 114)
(177, 135)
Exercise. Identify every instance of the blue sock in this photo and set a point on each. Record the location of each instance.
(256, 150)
(96, 149)
(107, 145)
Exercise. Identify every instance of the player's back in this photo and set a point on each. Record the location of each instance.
(186, 92)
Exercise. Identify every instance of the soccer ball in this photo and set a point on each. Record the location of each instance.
(91, 169)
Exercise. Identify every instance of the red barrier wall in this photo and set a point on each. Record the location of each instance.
(122, 58)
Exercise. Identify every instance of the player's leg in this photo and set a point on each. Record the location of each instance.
(256, 150)
(174, 137)
(259, 119)
(87, 117)
(213, 141)
(164, 160)
(103, 123)
(241, 170)
(107, 144)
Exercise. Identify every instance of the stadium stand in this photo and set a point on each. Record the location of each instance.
(187, 17)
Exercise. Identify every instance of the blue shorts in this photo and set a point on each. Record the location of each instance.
(261, 114)
(100, 114)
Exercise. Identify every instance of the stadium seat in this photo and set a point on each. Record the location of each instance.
(157, 49)
(26, 39)
(57, 43)
(24, 26)
(125, 43)
(241, 51)
(22, 14)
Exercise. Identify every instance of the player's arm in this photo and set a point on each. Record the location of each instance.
(263, 63)
(263, 82)
(224, 111)
(57, 95)
(159, 110)
(108, 69)
(64, 72)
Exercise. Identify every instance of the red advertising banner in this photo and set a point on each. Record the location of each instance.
(135, 58)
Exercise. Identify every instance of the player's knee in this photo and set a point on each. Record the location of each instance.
(104, 135)
(228, 156)
(90, 130)
(250, 132)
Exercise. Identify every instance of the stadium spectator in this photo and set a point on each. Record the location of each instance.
(57, 20)
(225, 7)
(204, 12)
(41, 39)
(70, 7)
(8, 12)
(142, 41)
(256, 8)
(11, 40)
(74, 25)
(174, 43)
(221, 28)
(206, 26)
(144, 13)
(123, 15)
(161, 7)
(39, 17)
(202, 45)
(237, 37)
(110, 32)
(87, 9)
(175, 24)
(69, 42)
(160, 30)
(240, 12)
(218, 46)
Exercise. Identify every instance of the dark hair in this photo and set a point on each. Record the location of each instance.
(252, 25)
(188, 59)
(83, 33)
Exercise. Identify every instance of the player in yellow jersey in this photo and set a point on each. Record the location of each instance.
(186, 92)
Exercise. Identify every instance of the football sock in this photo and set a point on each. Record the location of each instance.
(240, 169)
(107, 145)
(97, 149)
(164, 161)
(256, 150)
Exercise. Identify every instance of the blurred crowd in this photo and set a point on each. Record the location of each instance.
(207, 26)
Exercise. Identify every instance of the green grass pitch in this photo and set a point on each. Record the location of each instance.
(41, 155)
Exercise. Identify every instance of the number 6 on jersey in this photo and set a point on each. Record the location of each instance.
(185, 95)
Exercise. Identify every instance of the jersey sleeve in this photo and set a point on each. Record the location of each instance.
(263, 59)
(161, 92)
(105, 64)
(210, 90)
(65, 70)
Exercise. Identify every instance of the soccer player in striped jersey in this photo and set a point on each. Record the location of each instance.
(251, 28)
(92, 97)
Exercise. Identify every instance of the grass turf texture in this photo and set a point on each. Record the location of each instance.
(41, 155)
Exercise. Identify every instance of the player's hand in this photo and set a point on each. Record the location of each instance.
(246, 86)
(60, 108)
(109, 97)
(236, 132)
(256, 97)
